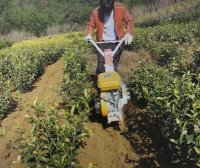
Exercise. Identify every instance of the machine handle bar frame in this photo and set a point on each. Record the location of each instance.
(100, 50)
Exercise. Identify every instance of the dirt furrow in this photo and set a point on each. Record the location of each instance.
(107, 148)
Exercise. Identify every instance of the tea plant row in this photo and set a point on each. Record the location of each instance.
(57, 134)
(24, 62)
(168, 42)
(177, 13)
(7, 102)
(173, 101)
(172, 91)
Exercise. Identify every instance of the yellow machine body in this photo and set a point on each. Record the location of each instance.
(109, 81)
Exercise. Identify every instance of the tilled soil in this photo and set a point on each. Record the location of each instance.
(107, 148)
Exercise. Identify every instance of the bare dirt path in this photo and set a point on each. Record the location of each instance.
(107, 148)
(45, 90)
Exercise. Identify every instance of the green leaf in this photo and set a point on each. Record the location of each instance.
(72, 110)
(173, 141)
(176, 92)
(145, 90)
(159, 98)
(197, 150)
(178, 121)
(63, 158)
(183, 132)
(196, 105)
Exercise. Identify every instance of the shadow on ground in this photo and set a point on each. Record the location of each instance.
(145, 139)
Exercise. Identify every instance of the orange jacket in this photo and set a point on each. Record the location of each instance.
(121, 16)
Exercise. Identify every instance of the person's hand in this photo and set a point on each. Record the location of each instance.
(88, 37)
(128, 39)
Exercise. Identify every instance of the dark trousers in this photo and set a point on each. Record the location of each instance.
(101, 60)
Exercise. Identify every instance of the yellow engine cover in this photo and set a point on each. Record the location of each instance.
(108, 81)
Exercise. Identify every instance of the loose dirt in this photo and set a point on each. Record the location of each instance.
(107, 148)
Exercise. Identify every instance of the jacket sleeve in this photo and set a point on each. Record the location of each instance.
(91, 24)
(129, 21)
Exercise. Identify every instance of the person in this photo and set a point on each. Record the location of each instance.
(108, 20)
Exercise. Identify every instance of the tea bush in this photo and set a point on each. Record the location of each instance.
(7, 102)
(166, 43)
(6, 66)
(196, 61)
(25, 61)
(172, 92)
(182, 33)
(75, 68)
(21, 64)
(174, 102)
(4, 44)
(56, 135)
(180, 12)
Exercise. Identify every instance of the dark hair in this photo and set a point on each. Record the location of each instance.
(105, 5)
